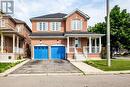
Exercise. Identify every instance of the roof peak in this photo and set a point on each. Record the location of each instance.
(59, 15)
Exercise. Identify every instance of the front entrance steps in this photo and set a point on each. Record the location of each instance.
(80, 57)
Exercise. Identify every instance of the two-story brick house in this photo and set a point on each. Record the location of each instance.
(14, 38)
(64, 36)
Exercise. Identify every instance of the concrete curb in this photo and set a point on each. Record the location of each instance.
(14, 68)
(46, 74)
(108, 73)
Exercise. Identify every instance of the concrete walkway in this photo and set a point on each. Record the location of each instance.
(87, 69)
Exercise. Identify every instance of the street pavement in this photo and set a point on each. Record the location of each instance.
(122, 80)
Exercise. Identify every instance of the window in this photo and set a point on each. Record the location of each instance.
(76, 24)
(42, 26)
(2, 23)
(19, 29)
(55, 26)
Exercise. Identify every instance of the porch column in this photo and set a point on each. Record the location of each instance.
(68, 50)
(90, 44)
(13, 43)
(95, 45)
(100, 45)
(17, 44)
(2, 43)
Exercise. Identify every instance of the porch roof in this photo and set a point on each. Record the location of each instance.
(82, 34)
(47, 35)
(10, 31)
(63, 35)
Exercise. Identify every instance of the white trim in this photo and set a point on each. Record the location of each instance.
(42, 28)
(47, 37)
(100, 44)
(90, 44)
(41, 45)
(33, 49)
(56, 25)
(2, 23)
(79, 12)
(84, 35)
(68, 44)
(76, 24)
(2, 42)
(13, 43)
(58, 45)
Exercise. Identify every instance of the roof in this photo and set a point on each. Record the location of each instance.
(60, 34)
(55, 15)
(22, 22)
(78, 11)
(18, 21)
(79, 32)
(59, 16)
(47, 34)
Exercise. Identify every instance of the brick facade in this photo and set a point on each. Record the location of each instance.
(65, 27)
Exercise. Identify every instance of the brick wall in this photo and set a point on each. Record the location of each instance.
(75, 16)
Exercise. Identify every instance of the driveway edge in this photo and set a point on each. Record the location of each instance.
(14, 68)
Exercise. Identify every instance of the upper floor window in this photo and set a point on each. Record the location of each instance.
(42, 26)
(76, 24)
(55, 26)
(19, 28)
(2, 23)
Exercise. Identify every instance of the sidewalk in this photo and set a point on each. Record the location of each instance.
(87, 69)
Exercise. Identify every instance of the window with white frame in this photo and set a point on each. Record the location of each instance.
(42, 26)
(55, 26)
(76, 24)
(18, 29)
(2, 23)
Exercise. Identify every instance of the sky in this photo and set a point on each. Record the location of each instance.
(96, 9)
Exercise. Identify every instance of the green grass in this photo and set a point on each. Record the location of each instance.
(5, 66)
(117, 64)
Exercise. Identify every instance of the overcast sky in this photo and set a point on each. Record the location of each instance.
(25, 9)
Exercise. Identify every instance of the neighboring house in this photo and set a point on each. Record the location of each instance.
(64, 36)
(14, 38)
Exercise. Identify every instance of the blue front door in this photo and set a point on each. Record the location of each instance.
(40, 52)
(57, 52)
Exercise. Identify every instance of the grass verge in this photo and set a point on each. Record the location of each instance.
(116, 64)
(5, 66)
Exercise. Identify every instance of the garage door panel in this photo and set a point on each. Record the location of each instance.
(40, 52)
(57, 52)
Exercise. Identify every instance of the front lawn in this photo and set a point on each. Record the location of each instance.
(117, 64)
(5, 66)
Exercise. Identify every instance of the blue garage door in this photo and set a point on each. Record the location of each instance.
(57, 52)
(40, 52)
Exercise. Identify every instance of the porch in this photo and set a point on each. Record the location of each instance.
(11, 46)
(84, 45)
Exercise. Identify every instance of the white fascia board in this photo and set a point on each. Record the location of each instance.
(84, 35)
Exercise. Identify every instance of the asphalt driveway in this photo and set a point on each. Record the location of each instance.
(42, 67)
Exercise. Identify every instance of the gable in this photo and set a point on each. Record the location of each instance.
(85, 16)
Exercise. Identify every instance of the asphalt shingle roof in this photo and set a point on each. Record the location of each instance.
(47, 34)
(58, 33)
(55, 15)
(18, 21)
